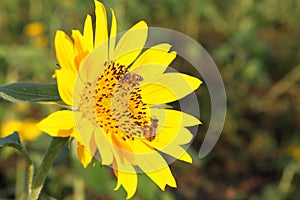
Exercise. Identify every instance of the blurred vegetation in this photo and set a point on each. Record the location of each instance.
(255, 44)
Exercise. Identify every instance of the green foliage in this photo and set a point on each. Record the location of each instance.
(29, 92)
(13, 140)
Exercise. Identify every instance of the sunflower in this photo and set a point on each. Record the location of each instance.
(113, 89)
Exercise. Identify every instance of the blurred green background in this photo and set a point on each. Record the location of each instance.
(256, 46)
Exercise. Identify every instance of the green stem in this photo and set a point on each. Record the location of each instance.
(30, 172)
(30, 167)
(54, 147)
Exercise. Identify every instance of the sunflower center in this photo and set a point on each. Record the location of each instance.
(118, 107)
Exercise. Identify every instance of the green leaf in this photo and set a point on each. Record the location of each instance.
(29, 92)
(13, 140)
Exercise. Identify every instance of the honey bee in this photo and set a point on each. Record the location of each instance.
(137, 78)
(154, 123)
(150, 131)
(131, 78)
(126, 77)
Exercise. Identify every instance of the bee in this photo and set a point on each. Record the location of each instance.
(137, 78)
(154, 123)
(131, 78)
(126, 77)
(150, 131)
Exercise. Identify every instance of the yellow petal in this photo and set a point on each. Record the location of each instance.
(129, 150)
(124, 149)
(173, 118)
(113, 32)
(169, 87)
(177, 152)
(156, 55)
(169, 139)
(78, 42)
(101, 23)
(84, 131)
(65, 84)
(127, 180)
(140, 148)
(80, 48)
(84, 155)
(186, 157)
(58, 124)
(153, 62)
(93, 65)
(64, 51)
(131, 44)
(104, 146)
(162, 178)
(88, 36)
(156, 168)
(149, 72)
(116, 173)
(167, 135)
(93, 138)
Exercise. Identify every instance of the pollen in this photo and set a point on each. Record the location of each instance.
(114, 103)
